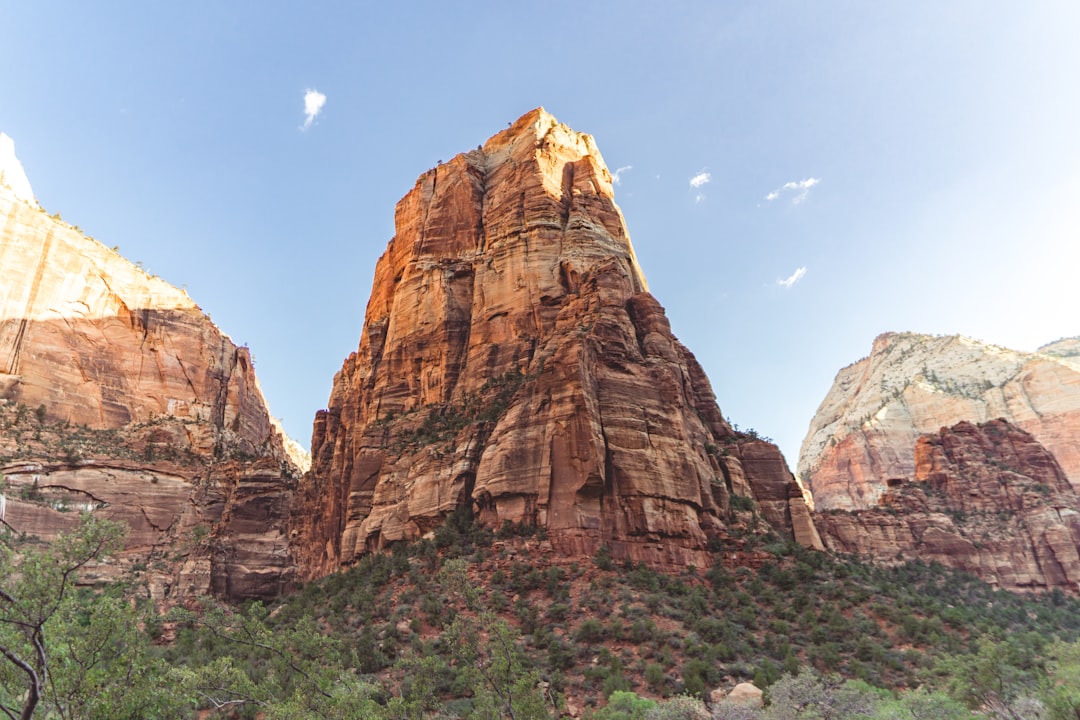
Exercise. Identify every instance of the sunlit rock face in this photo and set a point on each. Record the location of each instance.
(118, 394)
(988, 499)
(866, 429)
(513, 365)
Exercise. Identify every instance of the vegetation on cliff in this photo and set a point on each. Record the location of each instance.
(474, 624)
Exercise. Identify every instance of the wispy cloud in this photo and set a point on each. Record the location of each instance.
(793, 278)
(616, 177)
(313, 105)
(800, 188)
(702, 178)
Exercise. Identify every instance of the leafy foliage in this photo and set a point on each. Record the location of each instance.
(72, 654)
(480, 626)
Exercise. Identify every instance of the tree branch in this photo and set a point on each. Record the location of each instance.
(252, 642)
(34, 690)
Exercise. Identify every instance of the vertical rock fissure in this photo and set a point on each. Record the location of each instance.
(566, 200)
(31, 301)
(13, 362)
(427, 208)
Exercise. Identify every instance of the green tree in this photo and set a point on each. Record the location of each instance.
(736, 711)
(36, 585)
(348, 699)
(1062, 687)
(921, 704)
(624, 705)
(486, 648)
(103, 666)
(825, 697)
(275, 671)
(680, 707)
(994, 678)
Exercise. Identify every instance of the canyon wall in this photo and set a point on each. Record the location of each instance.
(118, 395)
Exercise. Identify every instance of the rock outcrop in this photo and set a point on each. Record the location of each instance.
(513, 365)
(119, 395)
(988, 499)
(865, 431)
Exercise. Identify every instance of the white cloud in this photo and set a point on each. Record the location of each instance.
(700, 179)
(801, 188)
(793, 278)
(616, 177)
(313, 105)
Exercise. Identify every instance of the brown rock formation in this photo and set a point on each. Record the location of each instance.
(865, 431)
(513, 363)
(119, 395)
(986, 498)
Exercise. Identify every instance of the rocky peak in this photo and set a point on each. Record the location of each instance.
(865, 431)
(13, 178)
(513, 366)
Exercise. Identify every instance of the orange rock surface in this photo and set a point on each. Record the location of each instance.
(513, 364)
(119, 395)
(988, 499)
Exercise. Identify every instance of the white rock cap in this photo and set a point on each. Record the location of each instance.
(12, 176)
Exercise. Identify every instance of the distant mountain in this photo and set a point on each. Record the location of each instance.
(1064, 348)
(865, 431)
(988, 499)
(951, 450)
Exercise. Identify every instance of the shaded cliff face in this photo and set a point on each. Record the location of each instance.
(513, 364)
(119, 395)
(865, 431)
(986, 498)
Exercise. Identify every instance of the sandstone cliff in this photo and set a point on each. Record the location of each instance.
(119, 395)
(986, 498)
(865, 431)
(513, 364)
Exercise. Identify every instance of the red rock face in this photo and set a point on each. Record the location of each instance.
(986, 498)
(513, 363)
(119, 395)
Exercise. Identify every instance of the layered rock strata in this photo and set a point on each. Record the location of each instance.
(864, 433)
(514, 366)
(988, 499)
(120, 396)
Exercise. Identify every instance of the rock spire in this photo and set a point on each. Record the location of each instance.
(514, 367)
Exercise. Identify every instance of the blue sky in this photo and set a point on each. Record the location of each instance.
(925, 156)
